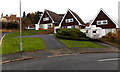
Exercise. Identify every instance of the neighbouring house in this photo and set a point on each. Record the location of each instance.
(10, 18)
(49, 20)
(101, 25)
(71, 20)
(3, 20)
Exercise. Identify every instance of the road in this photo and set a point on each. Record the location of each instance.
(90, 61)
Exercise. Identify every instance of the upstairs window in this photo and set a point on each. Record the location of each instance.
(69, 20)
(102, 22)
(46, 19)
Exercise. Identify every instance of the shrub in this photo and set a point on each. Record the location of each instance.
(118, 35)
(72, 33)
(111, 37)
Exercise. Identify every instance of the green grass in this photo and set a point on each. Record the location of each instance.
(25, 33)
(80, 44)
(12, 45)
(11, 42)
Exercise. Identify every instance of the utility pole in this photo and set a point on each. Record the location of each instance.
(20, 30)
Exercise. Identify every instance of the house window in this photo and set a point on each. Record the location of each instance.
(46, 19)
(102, 22)
(64, 27)
(69, 20)
(31, 27)
(86, 31)
(73, 26)
(94, 31)
(49, 26)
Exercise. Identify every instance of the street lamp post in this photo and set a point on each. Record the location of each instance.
(20, 30)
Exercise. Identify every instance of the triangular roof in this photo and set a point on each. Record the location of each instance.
(101, 11)
(78, 19)
(54, 16)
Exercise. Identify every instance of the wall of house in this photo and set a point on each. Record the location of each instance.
(76, 26)
(99, 32)
(68, 16)
(46, 26)
(103, 16)
(37, 27)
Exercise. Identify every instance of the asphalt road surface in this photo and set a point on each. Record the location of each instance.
(91, 61)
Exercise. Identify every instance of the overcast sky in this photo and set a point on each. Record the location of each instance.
(86, 9)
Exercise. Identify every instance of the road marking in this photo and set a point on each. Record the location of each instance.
(110, 59)
(62, 55)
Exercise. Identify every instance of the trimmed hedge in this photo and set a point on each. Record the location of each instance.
(72, 34)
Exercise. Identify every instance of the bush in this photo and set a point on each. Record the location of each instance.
(111, 37)
(118, 35)
(72, 33)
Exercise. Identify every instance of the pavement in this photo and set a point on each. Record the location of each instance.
(55, 47)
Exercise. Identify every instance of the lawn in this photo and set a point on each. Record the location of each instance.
(80, 44)
(26, 33)
(11, 42)
(12, 45)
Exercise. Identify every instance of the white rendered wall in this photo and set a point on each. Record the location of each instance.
(45, 26)
(36, 26)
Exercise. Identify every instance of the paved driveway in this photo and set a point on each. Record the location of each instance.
(50, 41)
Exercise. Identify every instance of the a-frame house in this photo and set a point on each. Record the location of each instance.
(101, 25)
(104, 21)
(71, 20)
(48, 20)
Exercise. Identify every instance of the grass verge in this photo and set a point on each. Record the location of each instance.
(12, 45)
(80, 44)
(11, 42)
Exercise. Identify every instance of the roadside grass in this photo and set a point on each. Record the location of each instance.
(80, 44)
(12, 45)
(11, 42)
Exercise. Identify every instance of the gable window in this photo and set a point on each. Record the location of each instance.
(46, 19)
(69, 20)
(102, 22)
